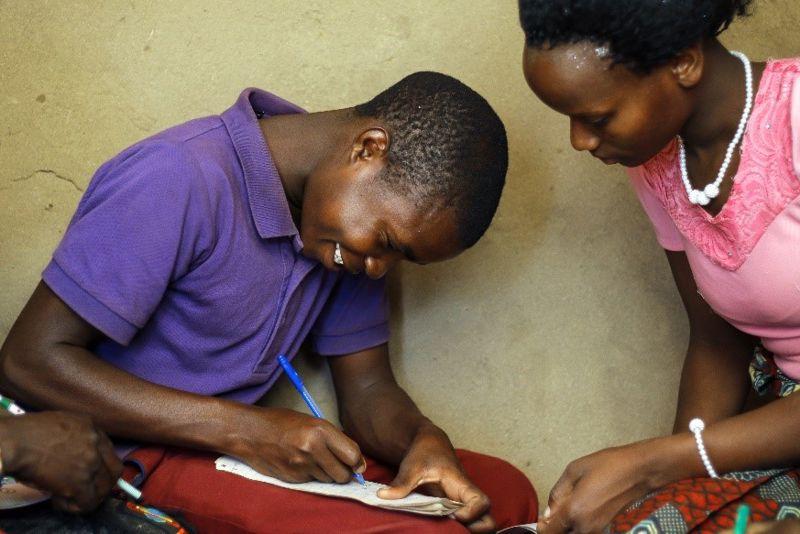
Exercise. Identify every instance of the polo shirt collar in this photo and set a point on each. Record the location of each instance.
(269, 206)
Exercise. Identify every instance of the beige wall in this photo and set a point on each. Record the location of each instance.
(558, 334)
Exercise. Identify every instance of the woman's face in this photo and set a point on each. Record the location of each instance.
(618, 115)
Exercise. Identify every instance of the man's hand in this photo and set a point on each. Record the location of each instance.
(431, 462)
(377, 412)
(296, 447)
(62, 453)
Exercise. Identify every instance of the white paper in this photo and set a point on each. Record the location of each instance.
(367, 494)
(519, 529)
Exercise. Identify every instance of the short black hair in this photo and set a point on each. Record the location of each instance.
(447, 147)
(640, 34)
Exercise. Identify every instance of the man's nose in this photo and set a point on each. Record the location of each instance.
(378, 267)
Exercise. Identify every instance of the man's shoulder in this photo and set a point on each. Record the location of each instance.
(187, 155)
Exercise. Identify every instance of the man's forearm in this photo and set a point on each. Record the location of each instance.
(120, 403)
(376, 411)
(385, 422)
(45, 362)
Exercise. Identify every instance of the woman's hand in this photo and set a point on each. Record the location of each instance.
(593, 489)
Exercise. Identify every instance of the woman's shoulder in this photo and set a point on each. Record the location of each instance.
(783, 65)
(778, 80)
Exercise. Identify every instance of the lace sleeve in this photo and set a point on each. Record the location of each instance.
(667, 233)
(795, 121)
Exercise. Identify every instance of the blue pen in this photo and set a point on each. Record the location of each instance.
(298, 384)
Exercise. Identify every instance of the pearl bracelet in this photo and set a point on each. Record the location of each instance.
(697, 426)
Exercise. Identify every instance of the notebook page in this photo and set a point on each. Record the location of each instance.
(367, 494)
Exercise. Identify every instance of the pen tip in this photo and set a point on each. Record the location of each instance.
(360, 478)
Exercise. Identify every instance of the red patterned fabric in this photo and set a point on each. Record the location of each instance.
(710, 505)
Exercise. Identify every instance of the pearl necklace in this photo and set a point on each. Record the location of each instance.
(704, 196)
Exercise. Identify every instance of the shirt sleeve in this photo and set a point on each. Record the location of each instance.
(136, 229)
(795, 122)
(667, 233)
(355, 318)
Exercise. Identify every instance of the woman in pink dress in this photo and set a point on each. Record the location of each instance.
(712, 144)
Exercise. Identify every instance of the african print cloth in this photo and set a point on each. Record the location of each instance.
(710, 504)
(767, 377)
(706, 505)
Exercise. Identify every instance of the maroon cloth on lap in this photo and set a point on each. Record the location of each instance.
(219, 502)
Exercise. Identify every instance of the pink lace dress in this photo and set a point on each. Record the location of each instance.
(746, 259)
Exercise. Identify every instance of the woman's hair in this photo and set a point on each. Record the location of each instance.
(447, 148)
(640, 34)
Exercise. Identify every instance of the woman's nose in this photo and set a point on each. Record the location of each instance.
(581, 137)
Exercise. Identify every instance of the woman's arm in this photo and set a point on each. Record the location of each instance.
(714, 386)
(714, 380)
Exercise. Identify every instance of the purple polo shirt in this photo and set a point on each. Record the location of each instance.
(184, 254)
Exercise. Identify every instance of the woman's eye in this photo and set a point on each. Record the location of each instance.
(597, 122)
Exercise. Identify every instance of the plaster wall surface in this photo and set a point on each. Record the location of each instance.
(558, 334)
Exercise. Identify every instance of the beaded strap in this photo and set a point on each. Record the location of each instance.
(697, 426)
(705, 195)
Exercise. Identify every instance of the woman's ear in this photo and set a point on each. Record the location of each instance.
(687, 66)
(372, 144)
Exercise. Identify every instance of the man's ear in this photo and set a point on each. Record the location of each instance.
(687, 66)
(370, 145)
